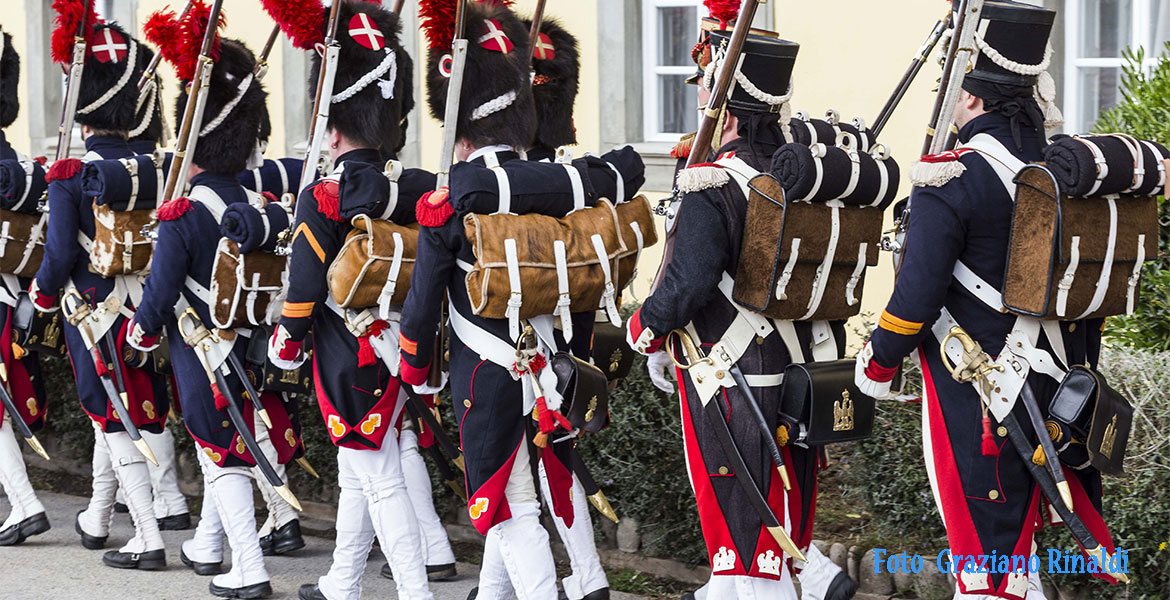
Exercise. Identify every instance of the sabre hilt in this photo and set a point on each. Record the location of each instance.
(975, 365)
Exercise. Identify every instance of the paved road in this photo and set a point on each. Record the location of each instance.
(54, 566)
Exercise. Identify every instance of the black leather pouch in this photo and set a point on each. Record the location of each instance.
(610, 352)
(823, 400)
(585, 390)
(268, 377)
(37, 331)
(1092, 415)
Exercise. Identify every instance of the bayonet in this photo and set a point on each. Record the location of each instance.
(940, 27)
(762, 423)
(73, 86)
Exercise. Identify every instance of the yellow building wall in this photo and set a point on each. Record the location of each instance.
(12, 19)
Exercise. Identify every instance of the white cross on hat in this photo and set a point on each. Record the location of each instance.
(495, 39)
(113, 46)
(544, 49)
(362, 30)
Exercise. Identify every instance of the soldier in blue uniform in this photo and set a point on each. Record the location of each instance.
(957, 241)
(359, 396)
(106, 112)
(745, 561)
(27, 516)
(179, 279)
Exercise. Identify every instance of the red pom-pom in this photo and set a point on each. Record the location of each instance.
(41, 160)
(179, 38)
(434, 208)
(988, 447)
(366, 355)
(945, 157)
(99, 364)
(65, 168)
(270, 198)
(437, 18)
(69, 17)
(174, 209)
(303, 21)
(221, 401)
(724, 10)
(327, 198)
(683, 148)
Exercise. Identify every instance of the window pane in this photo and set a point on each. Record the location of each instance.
(677, 104)
(1159, 27)
(677, 32)
(1098, 89)
(1106, 27)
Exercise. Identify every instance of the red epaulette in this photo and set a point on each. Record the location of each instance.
(936, 170)
(328, 198)
(65, 168)
(434, 208)
(702, 176)
(269, 197)
(683, 148)
(948, 156)
(173, 209)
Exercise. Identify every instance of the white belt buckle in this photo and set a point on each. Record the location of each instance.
(1007, 380)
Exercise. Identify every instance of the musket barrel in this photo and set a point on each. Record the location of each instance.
(910, 75)
(151, 67)
(954, 69)
(73, 87)
(321, 98)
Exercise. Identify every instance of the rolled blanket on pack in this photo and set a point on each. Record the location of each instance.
(821, 173)
(364, 189)
(1099, 165)
(110, 182)
(820, 131)
(604, 171)
(563, 188)
(21, 185)
(253, 227)
(277, 177)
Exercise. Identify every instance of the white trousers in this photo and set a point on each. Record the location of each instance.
(131, 474)
(587, 575)
(374, 501)
(279, 511)
(14, 478)
(742, 587)
(95, 519)
(816, 575)
(516, 555)
(228, 511)
(436, 547)
(164, 479)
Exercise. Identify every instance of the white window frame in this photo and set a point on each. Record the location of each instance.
(1141, 26)
(651, 69)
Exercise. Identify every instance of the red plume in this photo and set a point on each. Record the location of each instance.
(438, 21)
(69, 16)
(303, 21)
(179, 41)
(724, 10)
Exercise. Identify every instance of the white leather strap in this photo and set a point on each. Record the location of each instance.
(516, 299)
(132, 168)
(619, 183)
(504, 187)
(483, 343)
(764, 381)
(855, 277)
(1002, 161)
(36, 238)
(563, 301)
(1070, 273)
(386, 296)
(578, 187)
(854, 171)
(821, 279)
(787, 331)
(609, 297)
(979, 288)
(1099, 160)
(27, 165)
(786, 274)
(283, 177)
(1107, 265)
(1161, 165)
(1135, 277)
(883, 181)
(818, 152)
(824, 343)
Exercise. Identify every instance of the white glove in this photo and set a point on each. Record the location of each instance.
(659, 365)
(878, 390)
(276, 343)
(424, 389)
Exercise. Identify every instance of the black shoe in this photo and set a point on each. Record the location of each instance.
(473, 594)
(201, 568)
(256, 590)
(842, 587)
(34, 525)
(602, 594)
(90, 542)
(688, 596)
(175, 522)
(120, 507)
(154, 560)
(284, 539)
(310, 591)
(434, 572)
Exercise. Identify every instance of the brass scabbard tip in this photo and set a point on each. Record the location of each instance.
(144, 448)
(304, 463)
(784, 477)
(458, 460)
(458, 489)
(289, 497)
(786, 544)
(601, 503)
(38, 448)
(1065, 494)
(264, 417)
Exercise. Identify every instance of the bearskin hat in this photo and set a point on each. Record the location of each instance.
(107, 94)
(556, 70)
(231, 119)
(374, 86)
(496, 105)
(148, 125)
(9, 79)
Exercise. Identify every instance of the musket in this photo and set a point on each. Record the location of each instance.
(592, 490)
(78, 313)
(146, 81)
(940, 27)
(14, 415)
(193, 112)
(712, 116)
(419, 409)
(323, 98)
(262, 61)
(73, 86)
(398, 7)
(1059, 498)
(739, 468)
(201, 340)
(955, 67)
(454, 91)
(762, 423)
(534, 31)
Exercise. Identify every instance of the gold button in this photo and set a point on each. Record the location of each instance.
(226, 423)
(377, 393)
(722, 470)
(1002, 431)
(718, 374)
(993, 494)
(759, 340)
(467, 403)
(1072, 327)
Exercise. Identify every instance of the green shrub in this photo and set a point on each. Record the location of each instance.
(1144, 112)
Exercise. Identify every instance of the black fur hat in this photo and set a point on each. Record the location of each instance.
(148, 124)
(375, 76)
(108, 95)
(227, 146)
(496, 106)
(9, 79)
(556, 70)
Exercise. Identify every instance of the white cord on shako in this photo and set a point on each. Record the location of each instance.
(389, 63)
(785, 112)
(494, 105)
(227, 109)
(147, 115)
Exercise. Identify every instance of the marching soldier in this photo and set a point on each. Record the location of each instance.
(954, 257)
(27, 516)
(359, 397)
(178, 284)
(746, 561)
(106, 112)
